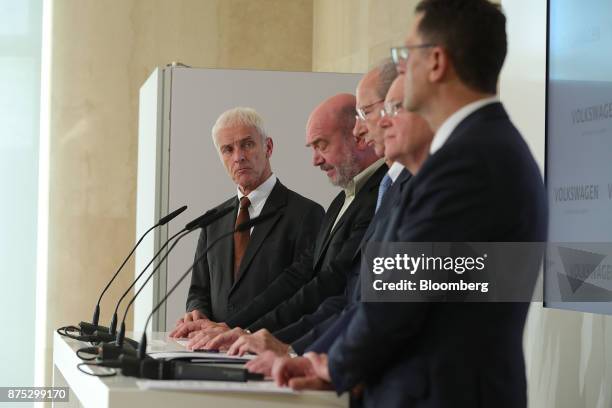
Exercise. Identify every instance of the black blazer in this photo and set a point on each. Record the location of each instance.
(483, 185)
(317, 331)
(321, 272)
(309, 328)
(275, 244)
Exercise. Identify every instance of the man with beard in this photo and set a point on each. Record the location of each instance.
(321, 272)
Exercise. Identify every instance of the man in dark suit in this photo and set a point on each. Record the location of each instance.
(480, 183)
(394, 122)
(305, 326)
(349, 163)
(400, 128)
(239, 268)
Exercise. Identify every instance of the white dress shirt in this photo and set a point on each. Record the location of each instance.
(455, 119)
(355, 185)
(395, 170)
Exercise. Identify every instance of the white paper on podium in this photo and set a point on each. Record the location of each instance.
(200, 355)
(265, 387)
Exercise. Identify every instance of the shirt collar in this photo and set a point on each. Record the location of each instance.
(395, 170)
(261, 193)
(360, 179)
(455, 119)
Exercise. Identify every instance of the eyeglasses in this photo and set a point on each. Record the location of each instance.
(361, 112)
(399, 55)
(391, 109)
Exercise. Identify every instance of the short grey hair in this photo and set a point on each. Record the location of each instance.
(239, 116)
(387, 72)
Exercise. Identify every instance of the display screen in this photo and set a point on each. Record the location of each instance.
(579, 155)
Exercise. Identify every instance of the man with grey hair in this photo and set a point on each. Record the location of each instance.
(350, 164)
(239, 268)
(319, 280)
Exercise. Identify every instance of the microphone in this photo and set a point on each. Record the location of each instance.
(202, 222)
(142, 348)
(89, 328)
(177, 370)
(207, 218)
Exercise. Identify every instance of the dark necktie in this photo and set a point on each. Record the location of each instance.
(241, 239)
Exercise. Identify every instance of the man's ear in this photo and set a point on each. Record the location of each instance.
(269, 147)
(438, 64)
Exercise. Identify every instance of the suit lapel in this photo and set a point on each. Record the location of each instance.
(325, 230)
(386, 231)
(372, 184)
(390, 200)
(276, 201)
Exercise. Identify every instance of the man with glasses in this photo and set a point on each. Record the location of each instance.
(370, 95)
(401, 131)
(407, 136)
(321, 272)
(479, 183)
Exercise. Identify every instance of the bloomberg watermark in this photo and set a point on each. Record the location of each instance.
(452, 271)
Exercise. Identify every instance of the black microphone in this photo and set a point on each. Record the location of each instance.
(142, 348)
(202, 222)
(177, 370)
(89, 328)
(205, 219)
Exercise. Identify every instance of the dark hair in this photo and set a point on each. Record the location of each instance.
(473, 32)
(387, 72)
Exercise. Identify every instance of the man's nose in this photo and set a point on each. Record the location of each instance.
(360, 129)
(238, 155)
(384, 122)
(317, 159)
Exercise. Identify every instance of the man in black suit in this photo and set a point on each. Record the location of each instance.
(370, 95)
(349, 163)
(397, 128)
(239, 268)
(400, 129)
(479, 183)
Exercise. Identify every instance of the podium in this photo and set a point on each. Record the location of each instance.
(123, 392)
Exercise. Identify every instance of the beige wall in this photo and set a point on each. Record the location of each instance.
(354, 35)
(102, 53)
(101, 56)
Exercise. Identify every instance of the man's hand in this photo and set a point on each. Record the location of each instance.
(262, 364)
(309, 372)
(285, 368)
(185, 329)
(198, 339)
(224, 340)
(258, 342)
(192, 316)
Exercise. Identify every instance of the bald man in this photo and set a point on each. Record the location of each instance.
(350, 164)
(301, 334)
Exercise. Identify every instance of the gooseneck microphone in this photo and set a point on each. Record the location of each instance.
(142, 366)
(245, 226)
(89, 328)
(200, 222)
(207, 218)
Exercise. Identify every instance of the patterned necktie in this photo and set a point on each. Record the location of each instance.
(241, 239)
(382, 189)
